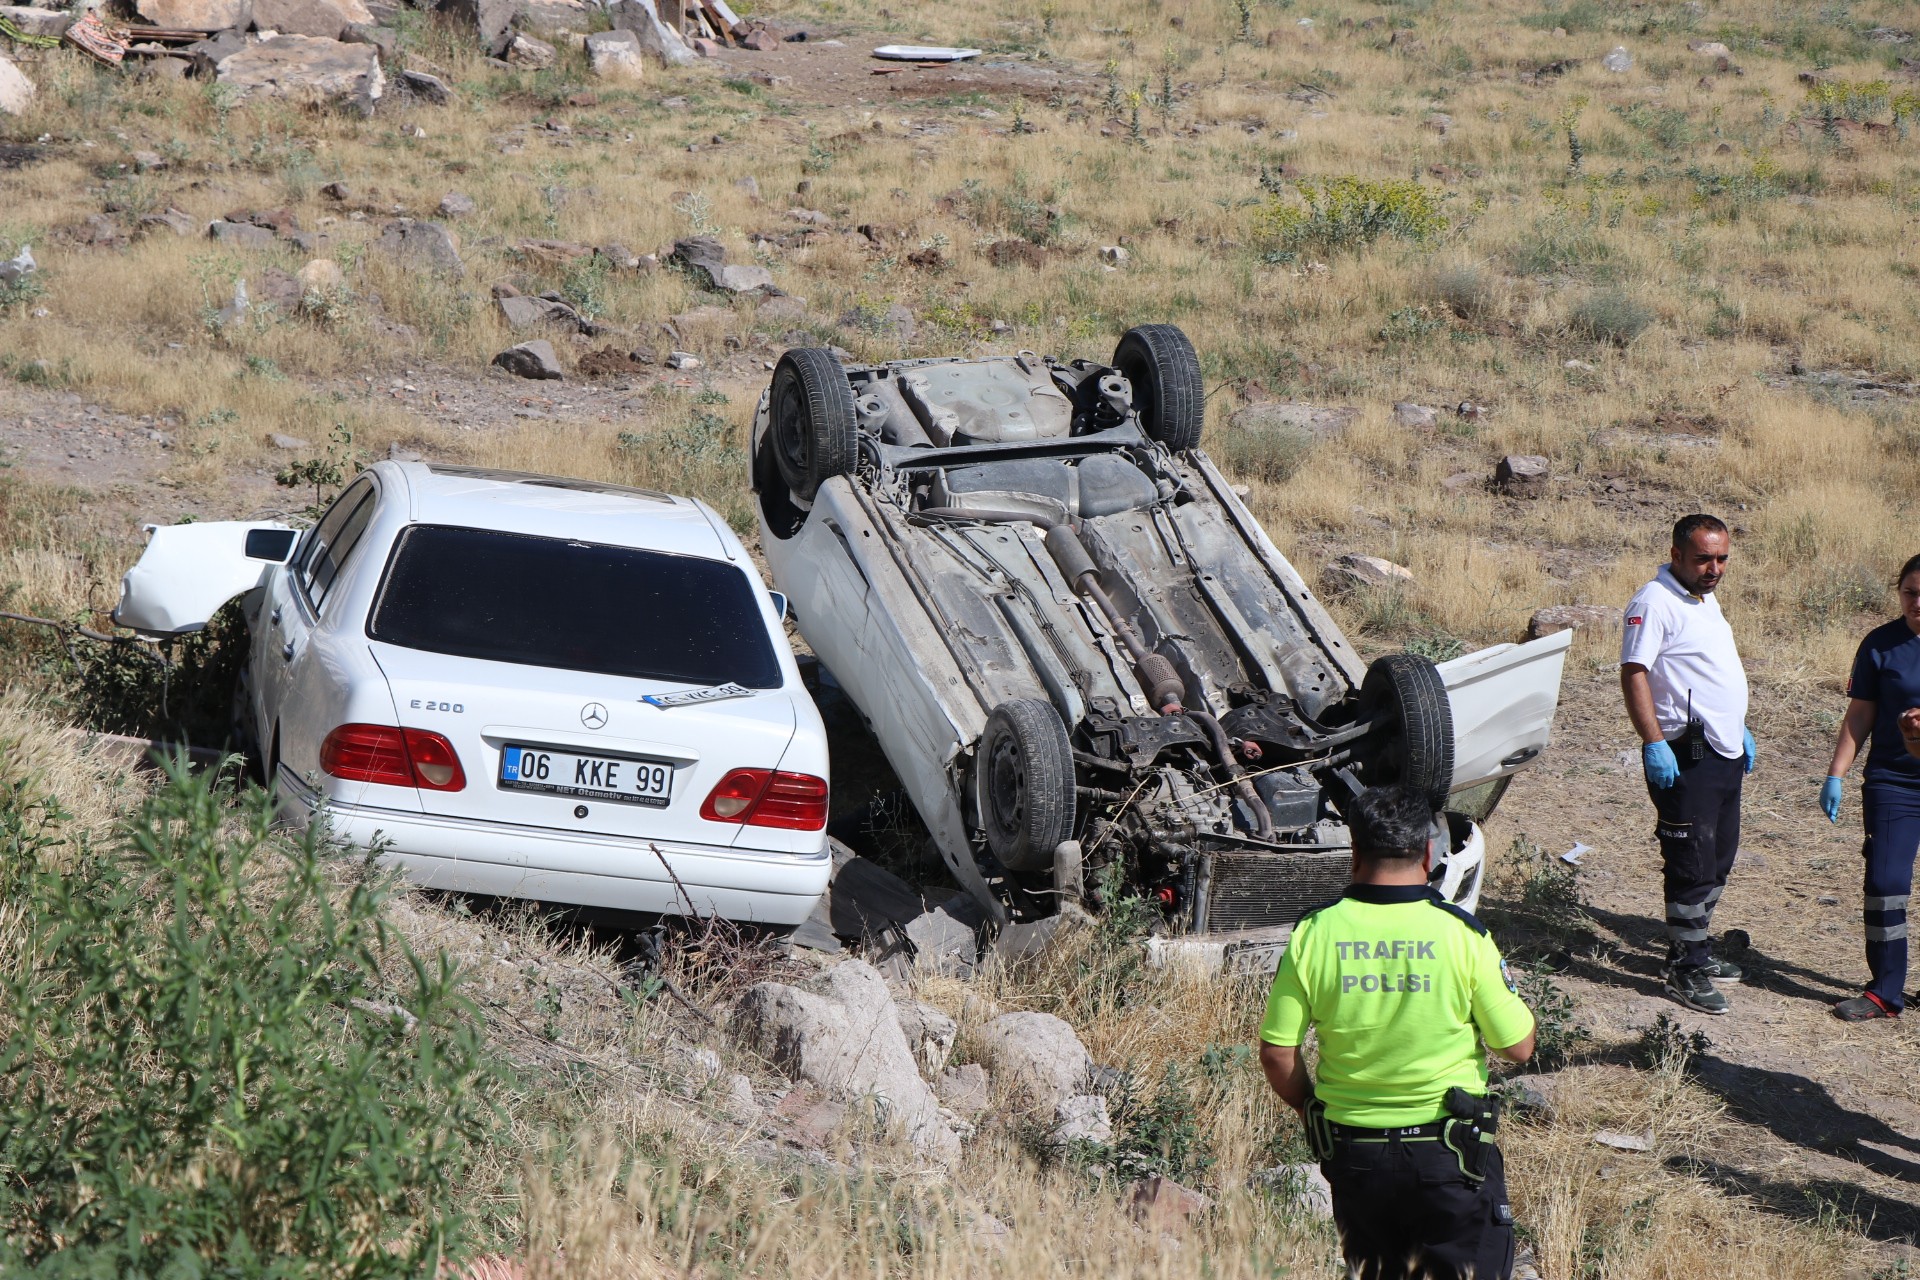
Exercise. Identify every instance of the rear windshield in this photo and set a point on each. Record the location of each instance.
(547, 602)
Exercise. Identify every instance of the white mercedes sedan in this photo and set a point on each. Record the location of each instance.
(520, 685)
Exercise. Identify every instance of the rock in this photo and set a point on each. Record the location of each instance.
(281, 441)
(761, 42)
(963, 1089)
(385, 39)
(164, 69)
(1414, 415)
(197, 15)
(942, 945)
(205, 56)
(455, 205)
(1624, 1141)
(683, 360)
(1031, 940)
(328, 18)
(656, 37)
(171, 219)
(525, 313)
(148, 161)
(419, 85)
(1574, 617)
(738, 1104)
(1618, 60)
(240, 235)
(16, 91)
(485, 20)
(705, 48)
(278, 290)
(1082, 1118)
(554, 253)
(807, 1117)
(235, 311)
(750, 185)
(1161, 1204)
(841, 1033)
(48, 23)
(706, 259)
(1038, 1057)
(896, 324)
(1115, 254)
(338, 192)
(1437, 122)
(1890, 35)
(1522, 475)
(782, 309)
(531, 360)
(525, 52)
(309, 70)
(1355, 570)
(97, 231)
(1710, 49)
(616, 55)
(1530, 1096)
(930, 1035)
(279, 221)
(422, 244)
(1320, 420)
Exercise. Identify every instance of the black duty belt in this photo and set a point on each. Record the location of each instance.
(1405, 1133)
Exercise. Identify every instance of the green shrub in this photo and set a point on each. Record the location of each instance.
(1465, 290)
(1346, 214)
(1269, 451)
(206, 1070)
(1610, 315)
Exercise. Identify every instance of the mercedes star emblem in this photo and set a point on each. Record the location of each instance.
(593, 715)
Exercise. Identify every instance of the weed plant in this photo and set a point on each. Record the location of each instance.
(1346, 214)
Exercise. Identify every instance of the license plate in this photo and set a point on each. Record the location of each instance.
(621, 779)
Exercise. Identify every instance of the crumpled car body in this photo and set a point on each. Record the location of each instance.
(1013, 532)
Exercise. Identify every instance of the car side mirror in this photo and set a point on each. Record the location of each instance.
(271, 544)
(779, 603)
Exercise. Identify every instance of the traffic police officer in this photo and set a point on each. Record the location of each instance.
(1686, 694)
(1401, 987)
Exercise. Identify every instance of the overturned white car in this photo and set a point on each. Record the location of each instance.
(1080, 653)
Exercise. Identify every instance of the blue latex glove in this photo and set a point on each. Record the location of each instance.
(1830, 799)
(1662, 769)
(1753, 752)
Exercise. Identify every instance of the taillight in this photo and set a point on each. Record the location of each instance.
(766, 798)
(392, 757)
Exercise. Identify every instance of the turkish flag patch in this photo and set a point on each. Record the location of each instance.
(1635, 620)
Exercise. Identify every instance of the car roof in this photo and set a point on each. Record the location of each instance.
(557, 507)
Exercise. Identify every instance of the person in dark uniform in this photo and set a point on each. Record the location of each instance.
(1883, 695)
(1401, 987)
(1686, 693)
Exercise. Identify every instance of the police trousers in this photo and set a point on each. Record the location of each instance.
(1699, 832)
(1404, 1209)
(1891, 813)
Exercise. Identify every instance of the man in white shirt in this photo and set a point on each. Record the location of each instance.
(1686, 694)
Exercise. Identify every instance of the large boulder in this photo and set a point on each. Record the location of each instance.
(16, 91)
(616, 55)
(308, 69)
(51, 23)
(534, 360)
(427, 245)
(642, 18)
(706, 261)
(197, 15)
(328, 18)
(841, 1033)
(485, 20)
(930, 1034)
(1038, 1056)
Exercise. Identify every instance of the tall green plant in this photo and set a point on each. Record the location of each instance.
(206, 1069)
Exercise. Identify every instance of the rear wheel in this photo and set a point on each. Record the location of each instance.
(1419, 752)
(1164, 369)
(811, 420)
(1025, 771)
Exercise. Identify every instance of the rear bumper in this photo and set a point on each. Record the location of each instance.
(619, 874)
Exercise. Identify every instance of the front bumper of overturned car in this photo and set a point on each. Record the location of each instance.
(1257, 949)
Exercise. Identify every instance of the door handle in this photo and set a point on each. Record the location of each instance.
(286, 651)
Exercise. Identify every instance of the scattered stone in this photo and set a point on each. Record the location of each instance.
(1115, 255)
(1580, 366)
(807, 1117)
(616, 55)
(1016, 253)
(617, 256)
(706, 259)
(338, 192)
(328, 18)
(97, 231)
(531, 360)
(1624, 1141)
(1573, 617)
(525, 52)
(205, 56)
(656, 37)
(750, 185)
(164, 69)
(1710, 49)
(1033, 939)
(1355, 570)
(50, 24)
(1529, 1096)
(455, 205)
(1325, 421)
(240, 235)
(1160, 1203)
(278, 290)
(280, 440)
(16, 91)
(685, 361)
(422, 244)
(783, 310)
(554, 253)
(1081, 1119)
(942, 945)
(1038, 1057)
(197, 15)
(385, 39)
(1890, 35)
(236, 310)
(1468, 411)
(525, 313)
(487, 20)
(431, 90)
(963, 1089)
(148, 161)
(737, 1102)
(841, 1033)
(706, 48)
(1618, 60)
(1437, 122)
(930, 1035)
(1522, 475)
(278, 221)
(171, 219)
(1414, 415)
(308, 69)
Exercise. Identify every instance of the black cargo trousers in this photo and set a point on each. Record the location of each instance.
(1405, 1209)
(1699, 832)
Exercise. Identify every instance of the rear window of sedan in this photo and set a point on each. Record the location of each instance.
(548, 602)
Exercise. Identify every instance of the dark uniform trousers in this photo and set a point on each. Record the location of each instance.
(1699, 832)
(1891, 813)
(1404, 1209)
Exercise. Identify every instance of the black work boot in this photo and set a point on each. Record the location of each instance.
(1692, 986)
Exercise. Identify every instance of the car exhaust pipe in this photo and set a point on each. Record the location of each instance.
(1157, 675)
(1242, 787)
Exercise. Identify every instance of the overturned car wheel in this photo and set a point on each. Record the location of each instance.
(1419, 754)
(1160, 362)
(811, 420)
(1025, 771)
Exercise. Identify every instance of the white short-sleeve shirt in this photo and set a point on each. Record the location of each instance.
(1686, 645)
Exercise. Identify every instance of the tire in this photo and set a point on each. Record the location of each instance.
(1168, 394)
(811, 427)
(1025, 775)
(1420, 753)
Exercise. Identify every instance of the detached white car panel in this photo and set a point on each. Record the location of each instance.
(188, 571)
(1503, 702)
(457, 666)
